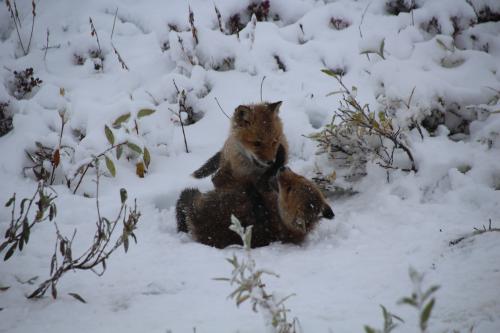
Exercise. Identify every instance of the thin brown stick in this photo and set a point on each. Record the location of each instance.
(220, 107)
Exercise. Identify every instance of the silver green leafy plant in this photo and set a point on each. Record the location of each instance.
(18, 233)
(107, 239)
(247, 279)
(421, 299)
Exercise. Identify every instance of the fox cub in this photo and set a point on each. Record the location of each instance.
(286, 214)
(255, 136)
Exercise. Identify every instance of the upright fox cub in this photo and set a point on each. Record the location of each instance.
(286, 215)
(255, 136)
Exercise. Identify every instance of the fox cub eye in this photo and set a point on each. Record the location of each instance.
(257, 144)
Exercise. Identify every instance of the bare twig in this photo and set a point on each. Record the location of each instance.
(194, 31)
(46, 45)
(90, 164)
(220, 107)
(476, 232)
(93, 32)
(182, 126)
(120, 59)
(219, 18)
(114, 21)
(33, 12)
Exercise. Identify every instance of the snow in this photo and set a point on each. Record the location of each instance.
(348, 266)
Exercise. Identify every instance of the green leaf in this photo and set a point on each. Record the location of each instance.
(54, 290)
(426, 313)
(121, 119)
(381, 50)
(329, 72)
(242, 299)
(109, 135)
(111, 166)
(409, 301)
(4, 245)
(134, 147)
(145, 112)
(125, 243)
(429, 292)
(11, 200)
(368, 329)
(147, 157)
(78, 297)
(123, 195)
(10, 252)
(119, 152)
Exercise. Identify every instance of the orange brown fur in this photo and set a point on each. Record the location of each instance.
(256, 133)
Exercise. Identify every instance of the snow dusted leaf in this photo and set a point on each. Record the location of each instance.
(111, 166)
(109, 135)
(329, 72)
(426, 313)
(119, 152)
(134, 147)
(10, 252)
(147, 157)
(11, 200)
(121, 119)
(145, 112)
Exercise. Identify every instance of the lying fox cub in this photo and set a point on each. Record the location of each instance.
(287, 214)
(256, 133)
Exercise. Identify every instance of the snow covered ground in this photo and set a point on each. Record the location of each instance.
(348, 266)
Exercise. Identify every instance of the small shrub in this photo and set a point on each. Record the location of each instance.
(24, 83)
(338, 23)
(19, 230)
(394, 7)
(250, 287)
(360, 136)
(5, 119)
(422, 300)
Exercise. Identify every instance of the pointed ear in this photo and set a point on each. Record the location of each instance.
(327, 212)
(274, 107)
(242, 115)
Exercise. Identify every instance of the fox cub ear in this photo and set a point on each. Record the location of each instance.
(327, 212)
(242, 115)
(274, 107)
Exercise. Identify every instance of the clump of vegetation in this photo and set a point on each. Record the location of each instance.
(421, 299)
(24, 83)
(250, 287)
(103, 245)
(18, 233)
(394, 7)
(5, 119)
(339, 23)
(357, 135)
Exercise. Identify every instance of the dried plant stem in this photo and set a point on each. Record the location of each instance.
(91, 163)
(98, 251)
(93, 32)
(220, 107)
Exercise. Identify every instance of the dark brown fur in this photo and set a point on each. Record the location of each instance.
(286, 215)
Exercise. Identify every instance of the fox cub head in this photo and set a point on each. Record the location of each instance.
(259, 131)
(301, 204)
